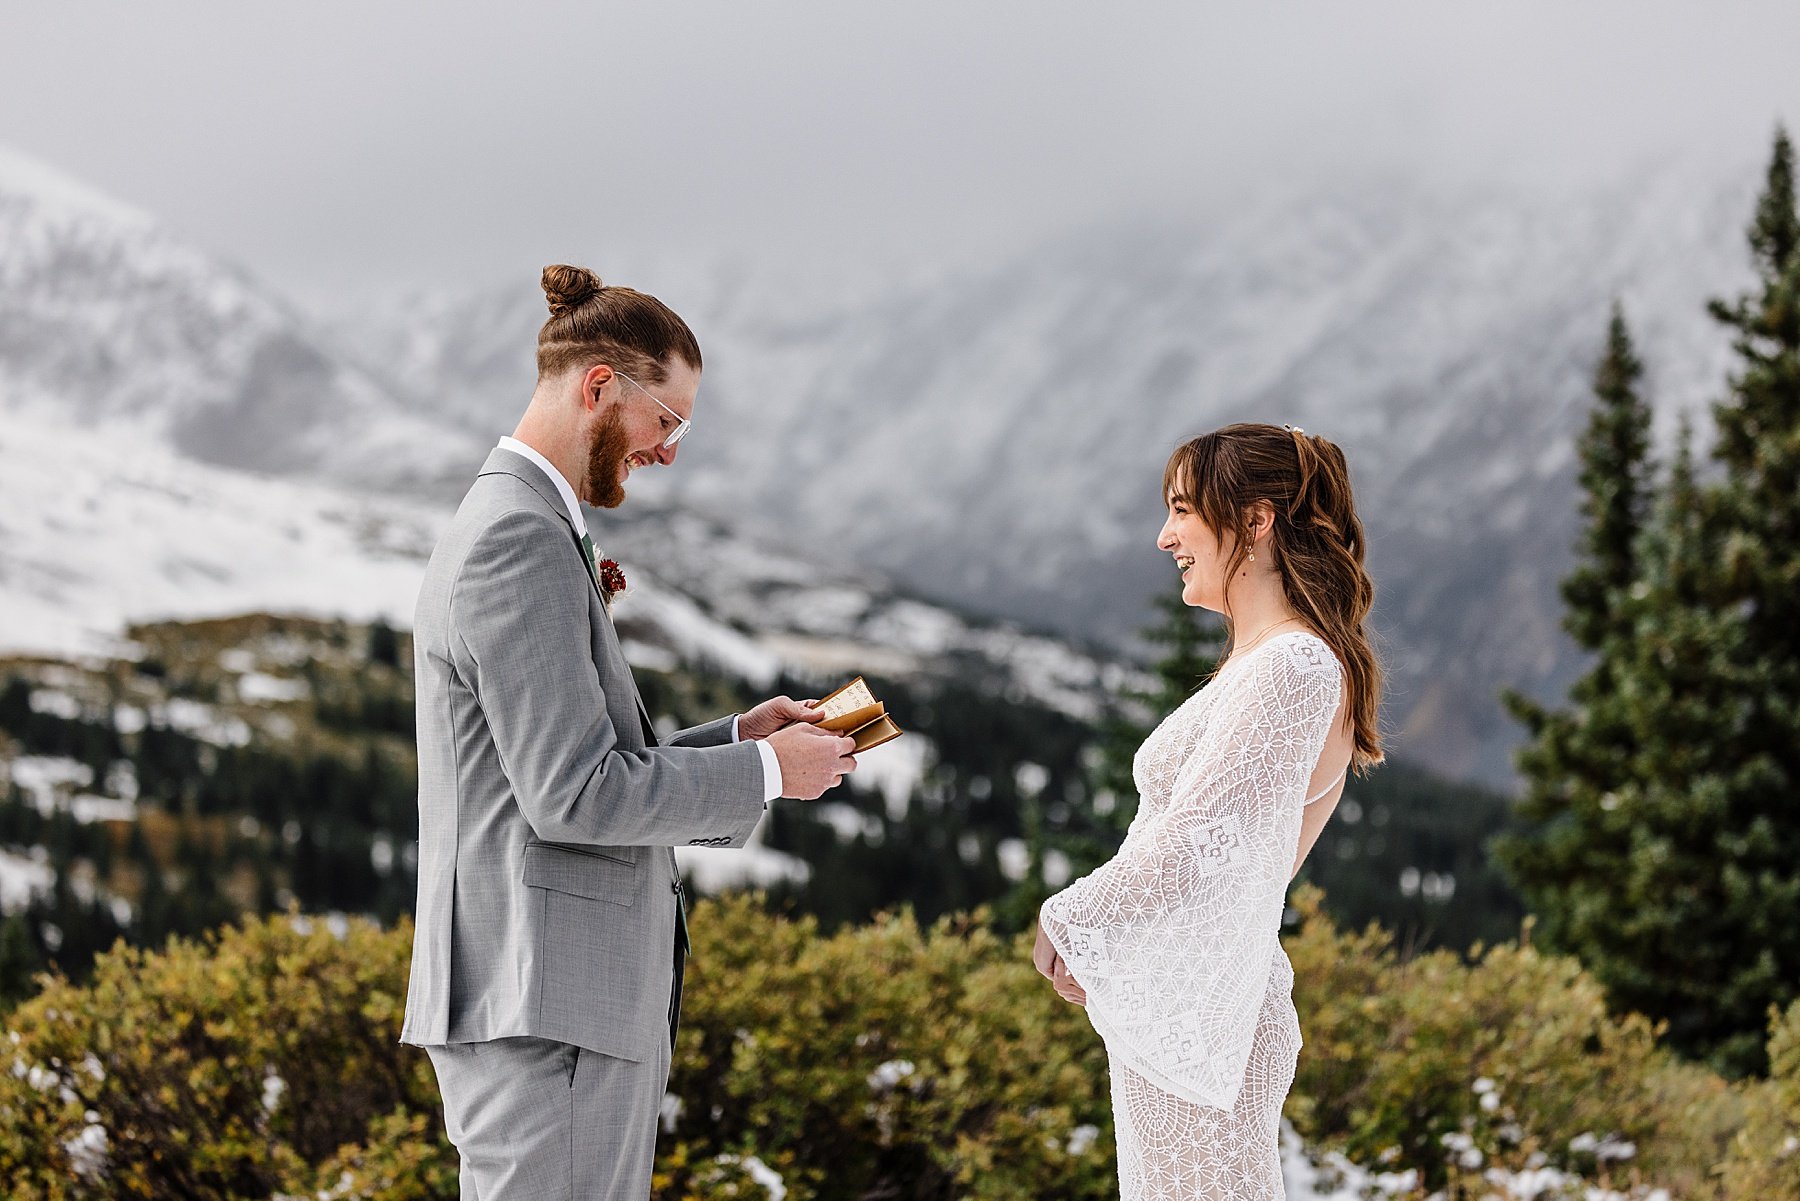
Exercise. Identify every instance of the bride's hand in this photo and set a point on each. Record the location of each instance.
(1066, 986)
(1051, 967)
(1043, 954)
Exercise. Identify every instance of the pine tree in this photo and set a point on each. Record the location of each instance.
(1664, 850)
(1616, 486)
(384, 644)
(1190, 643)
(1756, 509)
(19, 960)
(1574, 845)
(1752, 520)
(1686, 936)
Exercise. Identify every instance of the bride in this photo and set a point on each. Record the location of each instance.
(1173, 945)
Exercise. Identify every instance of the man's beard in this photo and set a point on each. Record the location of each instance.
(606, 456)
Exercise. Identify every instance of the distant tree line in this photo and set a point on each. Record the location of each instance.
(1014, 798)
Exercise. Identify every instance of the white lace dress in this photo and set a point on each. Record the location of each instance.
(1176, 939)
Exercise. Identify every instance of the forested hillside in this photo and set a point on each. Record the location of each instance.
(245, 765)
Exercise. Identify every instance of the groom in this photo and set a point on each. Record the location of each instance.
(551, 933)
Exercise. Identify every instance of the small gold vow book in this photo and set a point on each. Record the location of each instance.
(853, 710)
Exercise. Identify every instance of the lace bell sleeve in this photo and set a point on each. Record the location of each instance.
(1173, 939)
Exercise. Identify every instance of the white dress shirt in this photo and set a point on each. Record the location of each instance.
(771, 765)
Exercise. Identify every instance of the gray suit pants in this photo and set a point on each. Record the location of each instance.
(537, 1120)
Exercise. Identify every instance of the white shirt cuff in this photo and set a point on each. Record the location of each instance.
(771, 764)
(771, 771)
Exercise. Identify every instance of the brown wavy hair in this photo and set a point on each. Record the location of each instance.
(592, 323)
(1317, 541)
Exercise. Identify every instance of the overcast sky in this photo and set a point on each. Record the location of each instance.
(341, 149)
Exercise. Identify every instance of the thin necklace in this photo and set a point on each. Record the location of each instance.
(1256, 641)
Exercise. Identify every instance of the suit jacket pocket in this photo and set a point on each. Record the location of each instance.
(578, 873)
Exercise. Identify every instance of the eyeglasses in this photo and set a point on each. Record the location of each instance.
(682, 424)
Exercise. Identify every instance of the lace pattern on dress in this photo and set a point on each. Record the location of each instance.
(1176, 938)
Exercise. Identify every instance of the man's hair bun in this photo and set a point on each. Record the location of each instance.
(622, 327)
(567, 288)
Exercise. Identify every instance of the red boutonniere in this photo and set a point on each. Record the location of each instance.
(612, 578)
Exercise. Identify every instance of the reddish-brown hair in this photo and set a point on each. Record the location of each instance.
(591, 323)
(1317, 541)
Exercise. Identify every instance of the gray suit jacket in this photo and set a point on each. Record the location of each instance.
(546, 814)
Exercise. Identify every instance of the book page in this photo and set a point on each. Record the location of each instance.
(853, 696)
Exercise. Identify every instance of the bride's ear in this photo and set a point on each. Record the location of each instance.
(1260, 518)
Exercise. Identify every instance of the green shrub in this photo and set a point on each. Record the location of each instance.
(1765, 1156)
(221, 1068)
(1508, 1063)
(885, 1060)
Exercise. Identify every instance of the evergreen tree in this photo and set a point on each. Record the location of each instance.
(384, 644)
(1190, 641)
(1572, 850)
(1756, 509)
(1616, 487)
(1683, 933)
(1663, 849)
(1751, 520)
(19, 960)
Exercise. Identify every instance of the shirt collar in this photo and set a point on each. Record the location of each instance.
(556, 477)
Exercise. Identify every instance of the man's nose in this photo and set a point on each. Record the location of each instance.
(666, 454)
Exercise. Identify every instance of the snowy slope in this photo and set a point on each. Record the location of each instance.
(109, 317)
(99, 530)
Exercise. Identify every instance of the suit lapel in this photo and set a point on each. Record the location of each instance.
(650, 738)
(505, 462)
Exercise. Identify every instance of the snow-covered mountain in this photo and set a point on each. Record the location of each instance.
(108, 318)
(99, 529)
(175, 442)
(995, 436)
(990, 436)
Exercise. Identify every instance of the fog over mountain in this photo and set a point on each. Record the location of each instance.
(995, 437)
(109, 318)
(990, 436)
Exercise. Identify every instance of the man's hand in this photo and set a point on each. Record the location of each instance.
(1051, 967)
(773, 714)
(812, 760)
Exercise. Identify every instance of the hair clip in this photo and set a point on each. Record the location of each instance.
(1292, 429)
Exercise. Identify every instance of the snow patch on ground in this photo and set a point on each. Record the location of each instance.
(754, 865)
(255, 687)
(894, 770)
(694, 636)
(125, 532)
(45, 778)
(22, 878)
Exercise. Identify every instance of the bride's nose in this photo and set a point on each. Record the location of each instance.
(1165, 538)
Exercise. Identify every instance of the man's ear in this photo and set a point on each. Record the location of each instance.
(592, 380)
